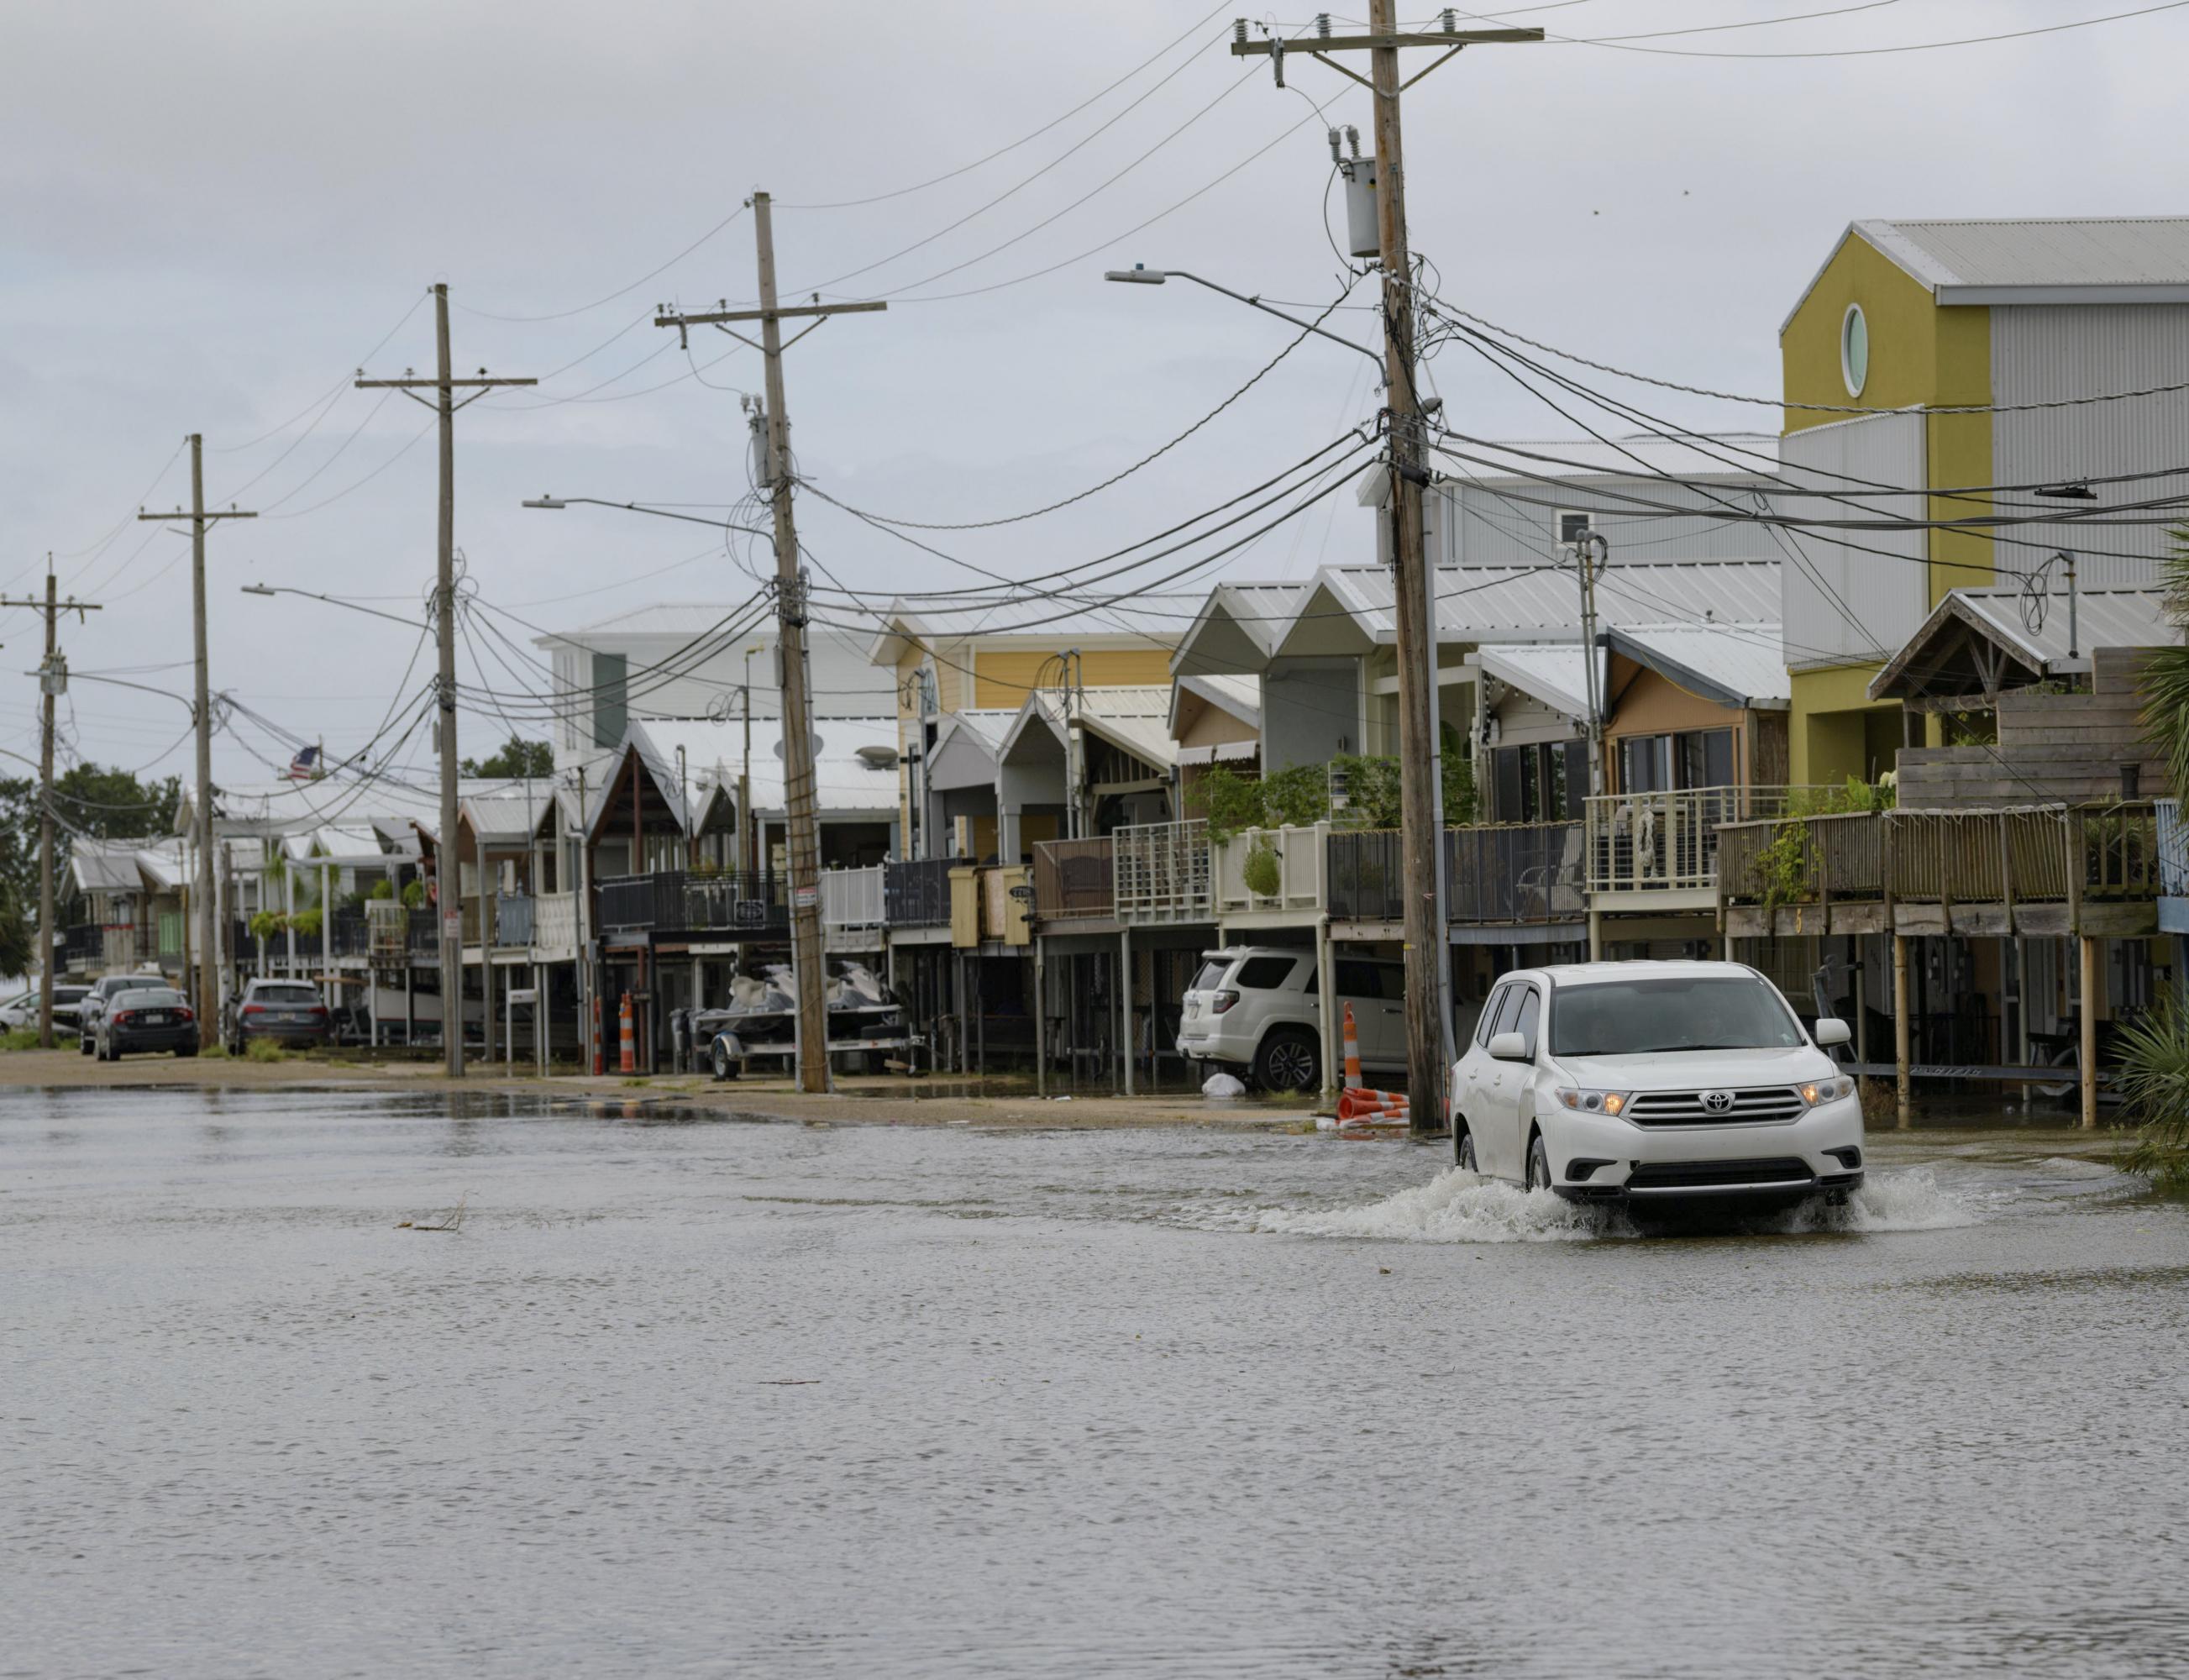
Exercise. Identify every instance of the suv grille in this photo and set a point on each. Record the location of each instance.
(1751, 1106)
(1668, 1175)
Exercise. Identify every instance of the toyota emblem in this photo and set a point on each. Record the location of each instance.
(1717, 1102)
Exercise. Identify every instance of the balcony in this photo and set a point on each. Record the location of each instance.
(512, 918)
(1819, 873)
(554, 924)
(2044, 871)
(917, 894)
(2172, 839)
(350, 934)
(1074, 880)
(853, 903)
(1659, 850)
(1270, 876)
(1515, 875)
(1160, 874)
(668, 901)
(991, 905)
(422, 933)
(1365, 869)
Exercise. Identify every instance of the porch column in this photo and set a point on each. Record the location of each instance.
(1595, 935)
(327, 936)
(1900, 1024)
(1040, 1013)
(539, 1016)
(289, 915)
(486, 958)
(1125, 1001)
(1325, 1008)
(2087, 1027)
(508, 1020)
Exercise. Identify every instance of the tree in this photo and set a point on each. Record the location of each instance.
(2154, 1051)
(518, 757)
(108, 803)
(18, 943)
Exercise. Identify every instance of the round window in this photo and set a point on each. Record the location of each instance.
(1854, 350)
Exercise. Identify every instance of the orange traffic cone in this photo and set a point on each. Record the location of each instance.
(1352, 1052)
(630, 1049)
(1370, 1108)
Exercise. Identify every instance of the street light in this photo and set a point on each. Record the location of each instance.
(271, 590)
(1140, 275)
(556, 504)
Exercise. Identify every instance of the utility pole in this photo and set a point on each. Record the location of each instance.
(209, 988)
(1591, 554)
(798, 778)
(448, 867)
(1429, 1020)
(53, 681)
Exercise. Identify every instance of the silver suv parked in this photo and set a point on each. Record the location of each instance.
(1257, 1009)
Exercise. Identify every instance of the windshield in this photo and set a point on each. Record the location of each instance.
(148, 998)
(284, 994)
(1210, 975)
(1627, 1017)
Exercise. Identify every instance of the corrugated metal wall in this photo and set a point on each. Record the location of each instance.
(1479, 527)
(1842, 605)
(2044, 355)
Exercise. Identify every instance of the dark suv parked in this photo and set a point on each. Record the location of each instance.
(283, 1011)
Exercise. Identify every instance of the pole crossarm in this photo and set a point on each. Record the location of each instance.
(208, 516)
(716, 317)
(1316, 45)
(418, 384)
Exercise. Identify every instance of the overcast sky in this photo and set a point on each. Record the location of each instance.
(215, 212)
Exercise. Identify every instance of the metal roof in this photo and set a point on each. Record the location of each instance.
(1135, 718)
(104, 866)
(2029, 260)
(1976, 632)
(507, 819)
(1156, 619)
(848, 783)
(1552, 672)
(1735, 665)
(1478, 605)
(1236, 627)
(1239, 696)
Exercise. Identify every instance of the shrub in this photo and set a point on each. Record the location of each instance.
(264, 1050)
(414, 894)
(381, 888)
(19, 1038)
(268, 923)
(308, 921)
(2154, 1083)
(1261, 872)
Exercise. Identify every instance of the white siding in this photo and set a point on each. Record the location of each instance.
(1842, 605)
(2044, 355)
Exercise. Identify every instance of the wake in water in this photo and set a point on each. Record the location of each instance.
(1461, 1206)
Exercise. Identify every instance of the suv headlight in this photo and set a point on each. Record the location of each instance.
(1587, 1101)
(1827, 1090)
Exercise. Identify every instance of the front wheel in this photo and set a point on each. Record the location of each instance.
(1539, 1164)
(1289, 1061)
(725, 1068)
(1462, 1150)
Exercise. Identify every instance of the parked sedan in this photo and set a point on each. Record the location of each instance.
(282, 1012)
(103, 992)
(153, 1018)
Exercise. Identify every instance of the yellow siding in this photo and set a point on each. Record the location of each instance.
(1005, 676)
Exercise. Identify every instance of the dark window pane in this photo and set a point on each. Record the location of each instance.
(1265, 974)
(1531, 1007)
(1483, 1027)
(1555, 792)
(1531, 788)
(1508, 784)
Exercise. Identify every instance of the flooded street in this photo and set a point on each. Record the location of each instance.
(693, 1396)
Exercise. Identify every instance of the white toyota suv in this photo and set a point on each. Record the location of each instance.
(1656, 1083)
(1258, 1008)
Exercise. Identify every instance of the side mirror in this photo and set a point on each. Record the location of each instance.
(1508, 1047)
(1830, 1032)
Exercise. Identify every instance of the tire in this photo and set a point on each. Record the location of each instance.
(1539, 1164)
(186, 1050)
(113, 1055)
(84, 1046)
(725, 1067)
(1462, 1149)
(1288, 1059)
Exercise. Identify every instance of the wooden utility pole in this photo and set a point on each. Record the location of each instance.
(1428, 1018)
(208, 976)
(448, 867)
(798, 785)
(53, 681)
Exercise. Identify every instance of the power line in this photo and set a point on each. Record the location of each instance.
(564, 315)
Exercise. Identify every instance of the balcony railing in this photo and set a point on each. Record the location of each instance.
(638, 902)
(1366, 870)
(733, 902)
(1160, 873)
(1074, 879)
(1291, 881)
(2172, 839)
(917, 893)
(422, 930)
(1514, 874)
(852, 900)
(1667, 840)
(513, 917)
(82, 943)
(555, 921)
(1834, 857)
(2021, 855)
(351, 933)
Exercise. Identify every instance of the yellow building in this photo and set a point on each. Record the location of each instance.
(1925, 354)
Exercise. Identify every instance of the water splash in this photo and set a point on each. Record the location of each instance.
(1457, 1206)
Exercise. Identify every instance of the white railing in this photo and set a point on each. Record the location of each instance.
(1161, 872)
(555, 922)
(1292, 881)
(851, 898)
(1666, 840)
(2173, 849)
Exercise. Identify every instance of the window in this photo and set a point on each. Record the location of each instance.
(1854, 349)
(1531, 1010)
(1573, 527)
(1265, 974)
(1694, 758)
(1368, 980)
(1490, 1012)
(284, 994)
(1634, 1017)
(1542, 783)
(611, 698)
(1508, 1013)
(1212, 974)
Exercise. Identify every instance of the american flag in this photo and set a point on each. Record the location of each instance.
(305, 762)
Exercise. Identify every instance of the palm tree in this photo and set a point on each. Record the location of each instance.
(2154, 1051)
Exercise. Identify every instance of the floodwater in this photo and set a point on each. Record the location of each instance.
(684, 1395)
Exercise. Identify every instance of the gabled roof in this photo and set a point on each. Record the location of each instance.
(1735, 665)
(856, 768)
(1236, 627)
(1978, 641)
(1351, 608)
(2030, 260)
(1154, 619)
(1136, 719)
(1552, 672)
(105, 866)
(505, 819)
(1239, 696)
(964, 751)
